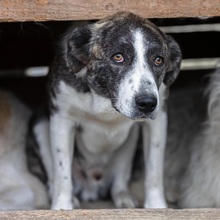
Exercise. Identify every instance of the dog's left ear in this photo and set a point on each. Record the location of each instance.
(175, 58)
(78, 47)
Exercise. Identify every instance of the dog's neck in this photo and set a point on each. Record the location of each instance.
(87, 104)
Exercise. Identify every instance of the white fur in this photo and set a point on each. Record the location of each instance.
(112, 131)
(155, 134)
(110, 163)
(18, 188)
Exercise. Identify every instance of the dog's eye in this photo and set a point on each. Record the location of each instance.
(118, 57)
(158, 61)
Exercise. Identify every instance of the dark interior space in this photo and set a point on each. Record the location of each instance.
(31, 44)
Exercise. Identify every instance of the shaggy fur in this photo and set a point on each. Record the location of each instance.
(19, 189)
(201, 182)
(106, 77)
(186, 112)
(192, 168)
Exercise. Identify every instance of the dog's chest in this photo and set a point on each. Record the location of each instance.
(102, 128)
(102, 137)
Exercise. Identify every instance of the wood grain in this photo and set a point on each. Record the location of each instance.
(47, 10)
(116, 214)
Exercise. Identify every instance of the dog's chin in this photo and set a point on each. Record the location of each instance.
(143, 117)
(137, 115)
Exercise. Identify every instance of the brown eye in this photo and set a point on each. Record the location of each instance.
(158, 61)
(118, 57)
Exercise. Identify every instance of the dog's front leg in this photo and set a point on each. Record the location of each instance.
(154, 137)
(62, 135)
(121, 167)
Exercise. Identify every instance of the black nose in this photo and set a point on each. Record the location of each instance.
(145, 103)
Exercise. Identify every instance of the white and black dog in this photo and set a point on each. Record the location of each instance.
(105, 77)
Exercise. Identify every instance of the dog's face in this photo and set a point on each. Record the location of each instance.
(126, 58)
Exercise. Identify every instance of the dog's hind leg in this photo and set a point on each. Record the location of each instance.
(154, 140)
(41, 134)
(121, 167)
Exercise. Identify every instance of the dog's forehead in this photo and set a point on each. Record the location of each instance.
(122, 27)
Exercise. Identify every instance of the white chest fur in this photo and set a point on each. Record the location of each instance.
(103, 129)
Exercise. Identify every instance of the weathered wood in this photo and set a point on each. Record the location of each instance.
(116, 214)
(45, 10)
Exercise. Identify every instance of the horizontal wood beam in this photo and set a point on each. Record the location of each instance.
(47, 10)
(116, 214)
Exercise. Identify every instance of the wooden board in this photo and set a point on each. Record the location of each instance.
(116, 214)
(46, 10)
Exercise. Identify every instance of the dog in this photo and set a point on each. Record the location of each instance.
(19, 189)
(106, 77)
(192, 167)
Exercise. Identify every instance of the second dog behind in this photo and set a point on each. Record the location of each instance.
(193, 159)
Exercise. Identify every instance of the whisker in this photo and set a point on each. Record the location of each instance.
(102, 103)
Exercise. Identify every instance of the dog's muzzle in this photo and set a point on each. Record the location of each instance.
(145, 103)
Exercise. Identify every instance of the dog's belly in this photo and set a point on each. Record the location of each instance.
(101, 138)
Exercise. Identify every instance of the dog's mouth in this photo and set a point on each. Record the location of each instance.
(137, 115)
(143, 117)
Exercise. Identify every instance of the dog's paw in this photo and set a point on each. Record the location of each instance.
(156, 203)
(125, 200)
(63, 203)
(154, 198)
(61, 206)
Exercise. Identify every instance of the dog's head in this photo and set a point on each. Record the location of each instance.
(126, 58)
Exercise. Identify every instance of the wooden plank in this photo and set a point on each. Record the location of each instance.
(116, 214)
(46, 10)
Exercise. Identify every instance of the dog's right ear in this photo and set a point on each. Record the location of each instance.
(78, 47)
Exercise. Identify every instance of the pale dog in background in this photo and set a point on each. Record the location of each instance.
(202, 180)
(105, 77)
(192, 168)
(18, 188)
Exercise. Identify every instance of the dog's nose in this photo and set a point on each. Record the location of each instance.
(145, 103)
